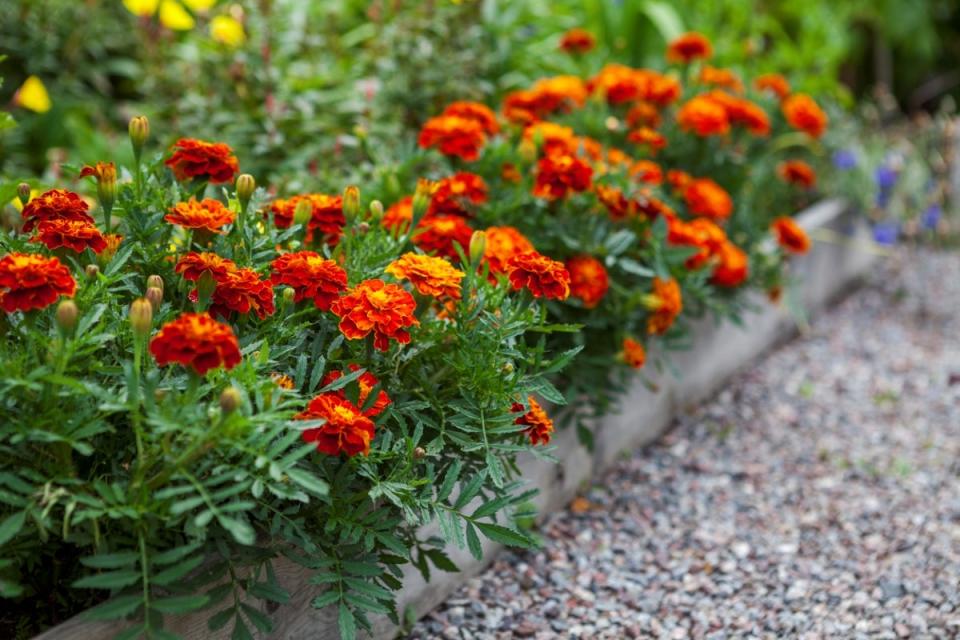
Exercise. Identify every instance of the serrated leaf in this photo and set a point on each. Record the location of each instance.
(176, 572)
(503, 535)
(11, 526)
(258, 618)
(119, 607)
(347, 623)
(473, 542)
(108, 580)
(309, 481)
(180, 604)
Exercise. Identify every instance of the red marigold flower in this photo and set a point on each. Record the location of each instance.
(643, 114)
(113, 241)
(30, 281)
(326, 215)
(430, 276)
(346, 429)
(546, 96)
(689, 47)
(704, 197)
(618, 205)
(750, 115)
(646, 171)
(242, 291)
(374, 306)
(665, 304)
(399, 214)
(797, 172)
(474, 111)
(503, 243)
(311, 276)
(212, 161)
(440, 235)
(192, 265)
(732, 266)
(55, 204)
(702, 233)
(577, 41)
(544, 277)
(367, 381)
(678, 179)
(644, 136)
(634, 353)
(551, 138)
(559, 174)
(704, 116)
(452, 193)
(454, 136)
(724, 78)
(774, 83)
(790, 235)
(588, 280)
(510, 173)
(197, 341)
(75, 235)
(661, 90)
(538, 424)
(804, 114)
(208, 214)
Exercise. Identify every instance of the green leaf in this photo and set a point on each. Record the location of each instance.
(453, 472)
(241, 531)
(347, 623)
(503, 535)
(108, 580)
(118, 607)
(441, 561)
(269, 591)
(325, 599)
(258, 618)
(309, 481)
(176, 572)
(111, 560)
(174, 555)
(220, 619)
(473, 542)
(240, 631)
(180, 604)
(11, 526)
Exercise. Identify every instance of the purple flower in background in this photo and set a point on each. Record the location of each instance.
(886, 233)
(931, 217)
(844, 159)
(886, 177)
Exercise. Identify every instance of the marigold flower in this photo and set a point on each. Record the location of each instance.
(326, 214)
(662, 90)
(474, 111)
(665, 304)
(774, 83)
(55, 204)
(510, 173)
(588, 279)
(211, 161)
(643, 114)
(311, 276)
(804, 114)
(646, 171)
(430, 276)
(702, 233)
(366, 382)
(797, 172)
(503, 243)
(373, 306)
(106, 176)
(704, 197)
(678, 179)
(618, 205)
(689, 47)
(634, 353)
(741, 111)
(618, 83)
(113, 241)
(546, 96)
(790, 235)
(538, 424)
(551, 138)
(732, 266)
(452, 193)
(192, 265)
(207, 214)
(399, 214)
(454, 136)
(577, 41)
(30, 281)
(197, 341)
(544, 277)
(282, 380)
(704, 116)
(644, 136)
(558, 175)
(724, 78)
(75, 235)
(242, 291)
(346, 429)
(440, 235)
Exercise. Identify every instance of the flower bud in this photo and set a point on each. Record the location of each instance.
(419, 453)
(507, 368)
(478, 245)
(376, 210)
(23, 192)
(351, 203)
(141, 317)
(245, 188)
(363, 227)
(230, 400)
(155, 296)
(155, 281)
(139, 132)
(206, 285)
(92, 271)
(67, 313)
(288, 295)
(421, 199)
(303, 212)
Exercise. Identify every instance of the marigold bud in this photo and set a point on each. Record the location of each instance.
(205, 287)
(478, 245)
(141, 317)
(303, 212)
(107, 184)
(508, 368)
(155, 296)
(139, 132)
(23, 192)
(376, 210)
(421, 199)
(351, 203)
(246, 185)
(363, 227)
(419, 453)
(155, 281)
(92, 271)
(230, 400)
(67, 313)
(289, 294)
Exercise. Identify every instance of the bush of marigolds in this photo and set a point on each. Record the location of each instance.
(203, 377)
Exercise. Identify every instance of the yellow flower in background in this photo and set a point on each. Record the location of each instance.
(142, 8)
(33, 95)
(227, 30)
(19, 205)
(199, 5)
(172, 13)
(174, 16)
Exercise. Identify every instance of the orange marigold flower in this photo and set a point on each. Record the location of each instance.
(212, 161)
(689, 47)
(661, 89)
(453, 136)
(345, 430)
(790, 235)
(192, 265)
(718, 77)
(618, 205)
(440, 235)
(367, 382)
(741, 111)
(679, 179)
(113, 241)
(30, 281)
(544, 277)
(704, 116)
(100, 170)
(653, 208)
(643, 114)
(510, 173)
(208, 214)
(558, 175)
(242, 291)
(653, 140)
(774, 83)
(538, 424)
(588, 280)
(634, 353)
(732, 266)
(577, 41)
(546, 96)
(399, 214)
(373, 306)
(452, 193)
(551, 138)
(474, 111)
(55, 204)
(702, 233)
(197, 341)
(429, 276)
(665, 304)
(797, 172)
(503, 243)
(704, 197)
(647, 171)
(804, 114)
(311, 276)
(282, 380)
(75, 235)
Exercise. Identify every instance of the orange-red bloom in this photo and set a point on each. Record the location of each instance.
(544, 277)
(644, 136)
(704, 197)
(503, 243)
(704, 116)
(208, 214)
(429, 276)
(634, 353)
(790, 235)
(75, 235)
(743, 112)
(366, 382)
(56, 204)
(197, 341)
(440, 235)
(242, 291)
(646, 171)
(538, 424)
(588, 279)
(678, 179)
(702, 233)
(797, 172)
(643, 114)
(100, 171)
(732, 266)
(546, 96)
(29, 281)
(311, 276)
(192, 265)
(559, 174)
(453, 193)
(689, 47)
(212, 161)
(474, 111)
(804, 114)
(399, 214)
(665, 304)
(454, 136)
(718, 77)
(326, 214)
(577, 41)
(373, 306)
(346, 429)
(774, 83)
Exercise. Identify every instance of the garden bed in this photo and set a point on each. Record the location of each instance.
(840, 255)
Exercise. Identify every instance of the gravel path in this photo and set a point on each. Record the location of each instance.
(818, 496)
